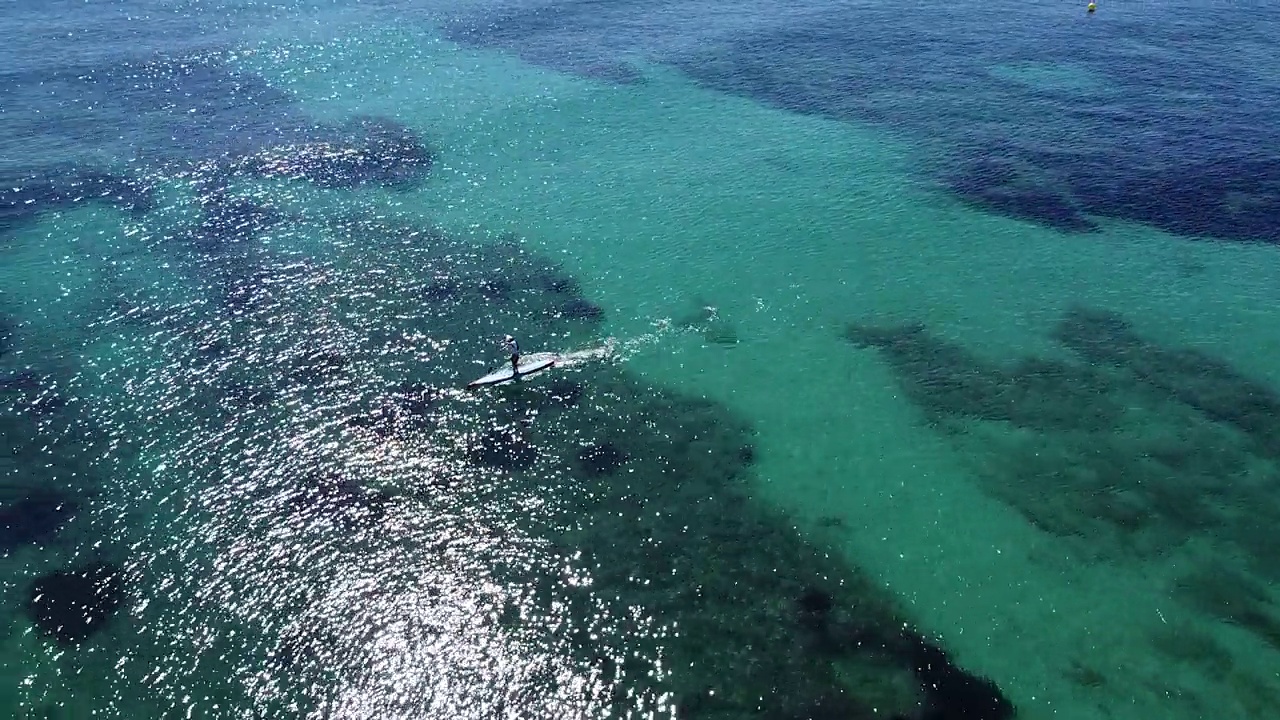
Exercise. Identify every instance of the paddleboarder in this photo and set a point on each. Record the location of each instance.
(511, 346)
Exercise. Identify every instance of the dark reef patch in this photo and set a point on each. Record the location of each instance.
(954, 694)
(1234, 598)
(240, 397)
(1234, 198)
(414, 399)
(488, 285)
(557, 284)
(998, 186)
(30, 394)
(564, 392)
(319, 365)
(70, 606)
(322, 495)
(948, 381)
(8, 340)
(1187, 375)
(246, 293)
(600, 459)
(496, 289)
(406, 409)
(25, 196)
(228, 221)
(1133, 451)
(441, 290)
(365, 151)
(46, 403)
(770, 625)
(382, 421)
(541, 33)
(581, 309)
(170, 107)
(503, 448)
(1055, 154)
(814, 608)
(21, 381)
(34, 518)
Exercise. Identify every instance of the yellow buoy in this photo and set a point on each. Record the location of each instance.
(1093, 6)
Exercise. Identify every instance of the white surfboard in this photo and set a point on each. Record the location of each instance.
(528, 366)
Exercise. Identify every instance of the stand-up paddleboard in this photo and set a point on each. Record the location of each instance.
(528, 366)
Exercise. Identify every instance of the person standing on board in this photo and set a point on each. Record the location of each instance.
(509, 343)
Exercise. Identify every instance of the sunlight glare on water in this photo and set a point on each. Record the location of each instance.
(344, 519)
(900, 369)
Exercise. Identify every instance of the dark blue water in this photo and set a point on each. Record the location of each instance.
(1154, 115)
(1158, 115)
(241, 480)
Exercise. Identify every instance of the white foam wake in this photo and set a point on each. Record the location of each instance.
(613, 348)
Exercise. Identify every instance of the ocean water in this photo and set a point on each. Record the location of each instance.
(917, 361)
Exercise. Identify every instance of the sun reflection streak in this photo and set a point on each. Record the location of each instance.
(330, 519)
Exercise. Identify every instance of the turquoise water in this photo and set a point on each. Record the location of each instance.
(884, 392)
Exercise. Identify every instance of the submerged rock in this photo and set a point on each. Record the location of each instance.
(441, 290)
(23, 381)
(948, 381)
(414, 399)
(242, 396)
(557, 284)
(496, 288)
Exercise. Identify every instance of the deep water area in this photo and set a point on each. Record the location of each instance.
(1049, 126)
